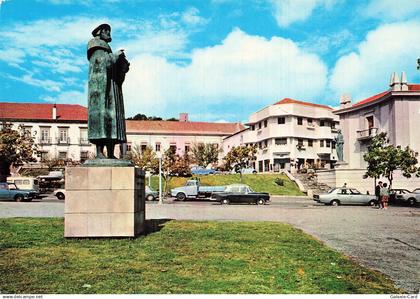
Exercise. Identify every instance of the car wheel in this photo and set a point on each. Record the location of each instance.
(260, 201)
(254, 172)
(335, 203)
(181, 196)
(224, 201)
(60, 196)
(412, 201)
(150, 197)
(372, 203)
(19, 198)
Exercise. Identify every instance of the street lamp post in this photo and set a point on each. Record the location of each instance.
(159, 156)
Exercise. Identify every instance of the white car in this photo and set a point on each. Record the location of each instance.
(60, 194)
(345, 196)
(404, 196)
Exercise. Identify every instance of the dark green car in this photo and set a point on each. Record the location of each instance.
(241, 193)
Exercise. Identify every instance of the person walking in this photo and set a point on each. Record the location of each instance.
(378, 194)
(384, 193)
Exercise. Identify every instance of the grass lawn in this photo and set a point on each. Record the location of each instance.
(177, 257)
(258, 182)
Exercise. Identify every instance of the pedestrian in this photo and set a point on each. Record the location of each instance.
(384, 196)
(378, 194)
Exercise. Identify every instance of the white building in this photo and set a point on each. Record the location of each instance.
(59, 131)
(290, 134)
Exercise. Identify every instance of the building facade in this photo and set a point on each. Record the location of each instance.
(290, 135)
(60, 131)
(395, 111)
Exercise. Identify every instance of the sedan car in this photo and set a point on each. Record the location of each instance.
(151, 194)
(404, 196)
(9, 191)
(198, 170)
(240, 193)
(416, 190)
(345, 196)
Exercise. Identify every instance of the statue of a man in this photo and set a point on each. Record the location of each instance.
(339, 142)
(106, 122)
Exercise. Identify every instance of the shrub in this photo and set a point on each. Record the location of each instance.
(279, 181)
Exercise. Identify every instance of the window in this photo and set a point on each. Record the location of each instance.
(321, 143)
(253, 128)
(84, 155)
(321, 123)
(259, 126)
(45, 135)
(310, 143)
(157, 147)
(63, 135)
(299, 121)
(265, 143)
(187, 148)
(281, 141)
(309, 121)
(62, 155)
(333, 125)
(128, 147)
(281, 120)
(327, 143)
(265, 123)
(300, 141)
(172, 147)
(143, 147)
(84, 136)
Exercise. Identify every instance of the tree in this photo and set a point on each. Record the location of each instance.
(205, 154)
(15, 148)
(138, 116)
(384, 158)
(174, 165)
(145, 159)
(240, 156)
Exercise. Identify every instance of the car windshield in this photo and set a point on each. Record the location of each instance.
(13, 187)
(332, 190)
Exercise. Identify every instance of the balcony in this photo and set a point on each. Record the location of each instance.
(310, 126)
(44, 141)
(366, 134)
(84, 141)
(64, 141)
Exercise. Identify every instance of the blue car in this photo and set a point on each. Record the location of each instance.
(198, 170)
(9, 191)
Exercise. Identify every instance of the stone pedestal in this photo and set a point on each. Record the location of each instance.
(104, 202)
(341, 165)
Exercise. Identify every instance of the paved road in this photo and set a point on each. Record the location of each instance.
(386, 240)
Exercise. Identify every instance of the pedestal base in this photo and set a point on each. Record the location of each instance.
(104, 202)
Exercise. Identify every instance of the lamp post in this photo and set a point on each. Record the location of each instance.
(159, 156)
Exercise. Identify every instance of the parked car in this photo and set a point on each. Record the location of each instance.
(193, 189)
(345, 196)
(60, 194)
(30, 184)
(199, 170)
(249, 170)
(241, 193)
(403, 196)
(151, 194)
(9, 191)
(416, 190)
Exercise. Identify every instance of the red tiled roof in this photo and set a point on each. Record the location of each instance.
(371, 99)
(411, 87)
(292, 101)
(39, 111)
(147, 126)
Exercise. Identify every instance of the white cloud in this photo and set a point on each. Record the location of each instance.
(392, 10)
(287, 12)
(12, 55)
(242, 69)
(68, 97)
(192, 17)
(389, 48)
(46, 84)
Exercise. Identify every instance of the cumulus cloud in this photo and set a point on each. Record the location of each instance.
(242, 69)
(68, 97)
(287, 12)
(390, 47)
(392, 10)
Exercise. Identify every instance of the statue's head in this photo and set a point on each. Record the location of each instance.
(103, 31)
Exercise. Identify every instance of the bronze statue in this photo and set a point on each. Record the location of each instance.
(339, 143)
(106, 122)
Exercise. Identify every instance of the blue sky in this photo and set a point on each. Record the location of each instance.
(218, 60)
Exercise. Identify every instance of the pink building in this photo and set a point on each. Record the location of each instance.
(395, 111)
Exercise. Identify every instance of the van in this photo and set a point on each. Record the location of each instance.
(25, 183)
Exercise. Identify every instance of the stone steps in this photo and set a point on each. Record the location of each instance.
(309, 181)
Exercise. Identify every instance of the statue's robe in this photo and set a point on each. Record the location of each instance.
(106, 121)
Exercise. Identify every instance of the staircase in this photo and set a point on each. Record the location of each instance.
(309, 181)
